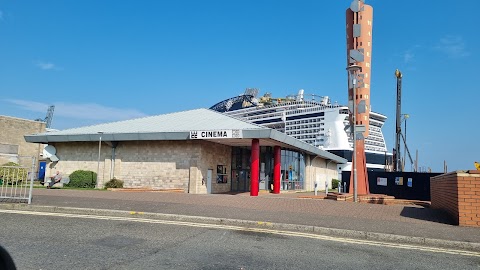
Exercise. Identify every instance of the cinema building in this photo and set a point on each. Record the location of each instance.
(198, 151)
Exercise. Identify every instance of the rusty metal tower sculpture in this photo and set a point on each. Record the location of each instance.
(359, 21)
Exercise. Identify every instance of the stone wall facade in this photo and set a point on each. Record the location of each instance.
(164, 164)
(458, 194)
(147, 164)
(320, 170)
(214, 154)
(13, 146)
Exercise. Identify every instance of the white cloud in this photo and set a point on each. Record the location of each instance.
(408, 56)
(45, 65)
(453, 46)
(29, 105)
(85, 111)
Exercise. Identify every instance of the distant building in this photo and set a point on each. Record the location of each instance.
(13, 147)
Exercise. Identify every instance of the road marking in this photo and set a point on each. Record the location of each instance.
(258, 230)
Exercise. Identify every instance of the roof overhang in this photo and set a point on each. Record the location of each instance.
(149, 136)
(267, 137)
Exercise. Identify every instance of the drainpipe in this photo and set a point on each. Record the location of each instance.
(326, 175)
(112, 160)
(315, 184)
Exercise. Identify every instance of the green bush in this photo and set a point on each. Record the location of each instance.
(335, 183)
(12, 175)
(82, 179)
(114, 183)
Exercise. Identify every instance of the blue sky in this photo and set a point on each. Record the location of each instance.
(101, 61)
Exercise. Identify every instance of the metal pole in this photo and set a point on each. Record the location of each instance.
(98, 163)
(353, 69)
(112, 167)
(405, 150)
(354, 156)
(31, 181)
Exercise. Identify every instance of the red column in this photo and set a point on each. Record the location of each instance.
(254, 167)
(276, 169)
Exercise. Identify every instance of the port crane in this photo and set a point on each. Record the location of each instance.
(398, 165)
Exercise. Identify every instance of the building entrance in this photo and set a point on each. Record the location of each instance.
(240, 169)
(240, 180)
(241, 157)
(292, 175)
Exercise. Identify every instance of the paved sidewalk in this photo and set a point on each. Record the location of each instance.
(288, 208)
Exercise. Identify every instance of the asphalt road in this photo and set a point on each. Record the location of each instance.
(56, 242)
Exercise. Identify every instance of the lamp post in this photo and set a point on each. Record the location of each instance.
(98, 163)
(352, 70)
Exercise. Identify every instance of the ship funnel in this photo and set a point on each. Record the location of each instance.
(300, 95)
(325, 100)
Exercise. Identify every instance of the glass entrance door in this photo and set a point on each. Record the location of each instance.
(240, 180)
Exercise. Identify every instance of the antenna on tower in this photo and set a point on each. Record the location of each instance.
(49, 117)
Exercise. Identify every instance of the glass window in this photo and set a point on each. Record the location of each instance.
(293, 170)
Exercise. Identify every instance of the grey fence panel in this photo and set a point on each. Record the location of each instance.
(16, 181)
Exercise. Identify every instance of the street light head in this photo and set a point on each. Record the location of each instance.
(354, 68)
(398, 74)
(100, 132)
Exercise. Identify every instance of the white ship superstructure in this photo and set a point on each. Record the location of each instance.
(311, 119)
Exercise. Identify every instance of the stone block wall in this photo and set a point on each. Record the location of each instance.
(458, 194)
(12, 142)
(156, 164)
(214, 154)
(320, 170)
(148, 164)
(76, 156)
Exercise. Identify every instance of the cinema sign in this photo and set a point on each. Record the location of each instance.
(215, 134)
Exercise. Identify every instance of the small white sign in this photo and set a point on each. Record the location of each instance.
(215, 134)
(381, 181)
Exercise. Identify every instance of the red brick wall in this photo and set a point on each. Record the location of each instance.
(458, 193)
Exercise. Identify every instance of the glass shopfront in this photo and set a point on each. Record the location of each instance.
(292, 169)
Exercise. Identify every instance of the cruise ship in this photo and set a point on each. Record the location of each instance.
(311, 119)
